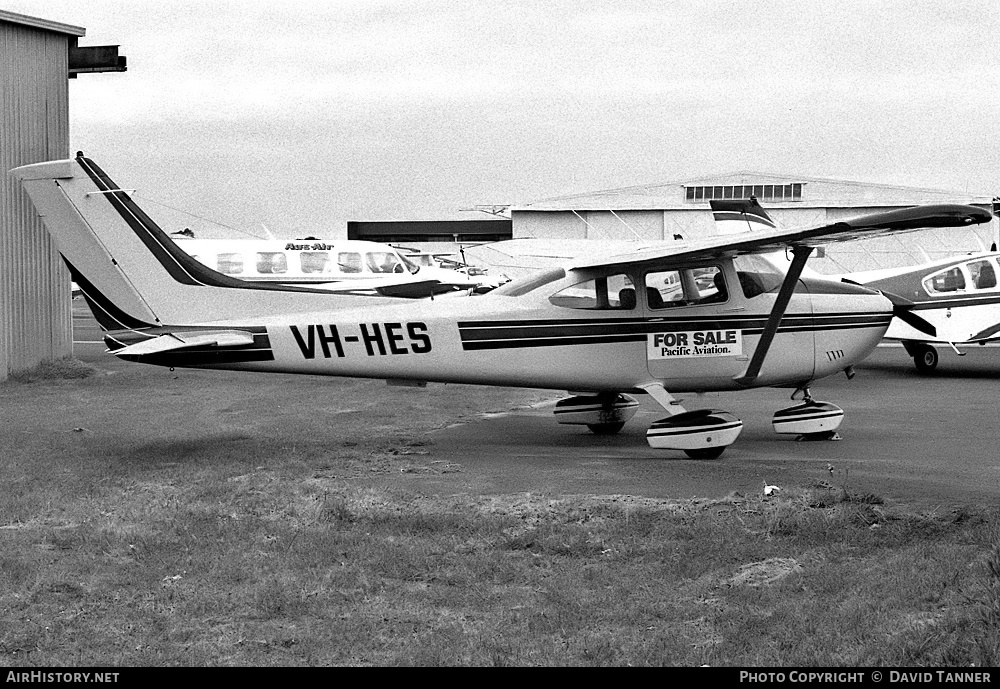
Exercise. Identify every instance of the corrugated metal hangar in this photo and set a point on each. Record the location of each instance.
(681, 211)
(37, 57)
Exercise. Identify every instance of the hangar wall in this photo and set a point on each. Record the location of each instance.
(36, 321)
(681, 211)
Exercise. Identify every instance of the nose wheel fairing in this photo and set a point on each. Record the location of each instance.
(810, 420)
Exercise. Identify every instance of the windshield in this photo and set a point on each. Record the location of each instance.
(384, 262)
(410, 265)
(757, 275)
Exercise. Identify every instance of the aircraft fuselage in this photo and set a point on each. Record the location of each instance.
(528, 341)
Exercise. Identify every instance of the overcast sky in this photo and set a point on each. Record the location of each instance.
(303, 115)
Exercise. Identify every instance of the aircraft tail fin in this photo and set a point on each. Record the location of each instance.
(67, 202)
(130, 271)
(740, 215)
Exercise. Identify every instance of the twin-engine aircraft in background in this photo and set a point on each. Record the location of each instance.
(711, 315)
(952, 301)
(346, 266)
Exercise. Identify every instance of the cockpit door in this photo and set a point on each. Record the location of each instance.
(696, 318)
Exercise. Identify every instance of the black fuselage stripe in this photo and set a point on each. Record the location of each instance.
(514, 329)
(189, 358)
(106, 312)
(513, 338)
(956, 302)
(654, 324)
(138, 221)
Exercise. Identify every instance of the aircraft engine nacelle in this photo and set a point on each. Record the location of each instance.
(849, 321)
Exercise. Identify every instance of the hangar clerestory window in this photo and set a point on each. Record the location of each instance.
(763, 192)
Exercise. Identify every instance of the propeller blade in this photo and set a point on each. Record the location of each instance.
(906, 315)
(902, 309)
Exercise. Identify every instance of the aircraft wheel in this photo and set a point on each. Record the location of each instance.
(605, 428)
(706, 452)
(925, 358)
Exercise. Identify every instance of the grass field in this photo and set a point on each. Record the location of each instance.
(201, 518)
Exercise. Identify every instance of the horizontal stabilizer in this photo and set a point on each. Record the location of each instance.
(188, 340)
(740, 215)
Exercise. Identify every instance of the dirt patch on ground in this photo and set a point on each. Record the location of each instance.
(764, 572)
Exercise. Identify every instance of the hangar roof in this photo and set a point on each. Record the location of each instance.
(44, 24)
(693, 193)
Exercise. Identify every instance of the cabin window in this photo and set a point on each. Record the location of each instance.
(271, 262)
(384, 262)
(314, 261)
(983, 274)
(670, 288)
(611, 292)
(757, 276)
(349, 262)
(951, 280)
(230, 264)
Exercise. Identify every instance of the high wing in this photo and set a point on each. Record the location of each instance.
(801, 243)
(670, 254)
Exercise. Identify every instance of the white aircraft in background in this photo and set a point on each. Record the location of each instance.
(707, 316)
(351, 266)
(952, 301)
(958, 297)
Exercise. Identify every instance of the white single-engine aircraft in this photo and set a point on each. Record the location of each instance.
(957, 297)
(707, 316)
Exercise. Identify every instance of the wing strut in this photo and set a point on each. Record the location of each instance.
(800, 254)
